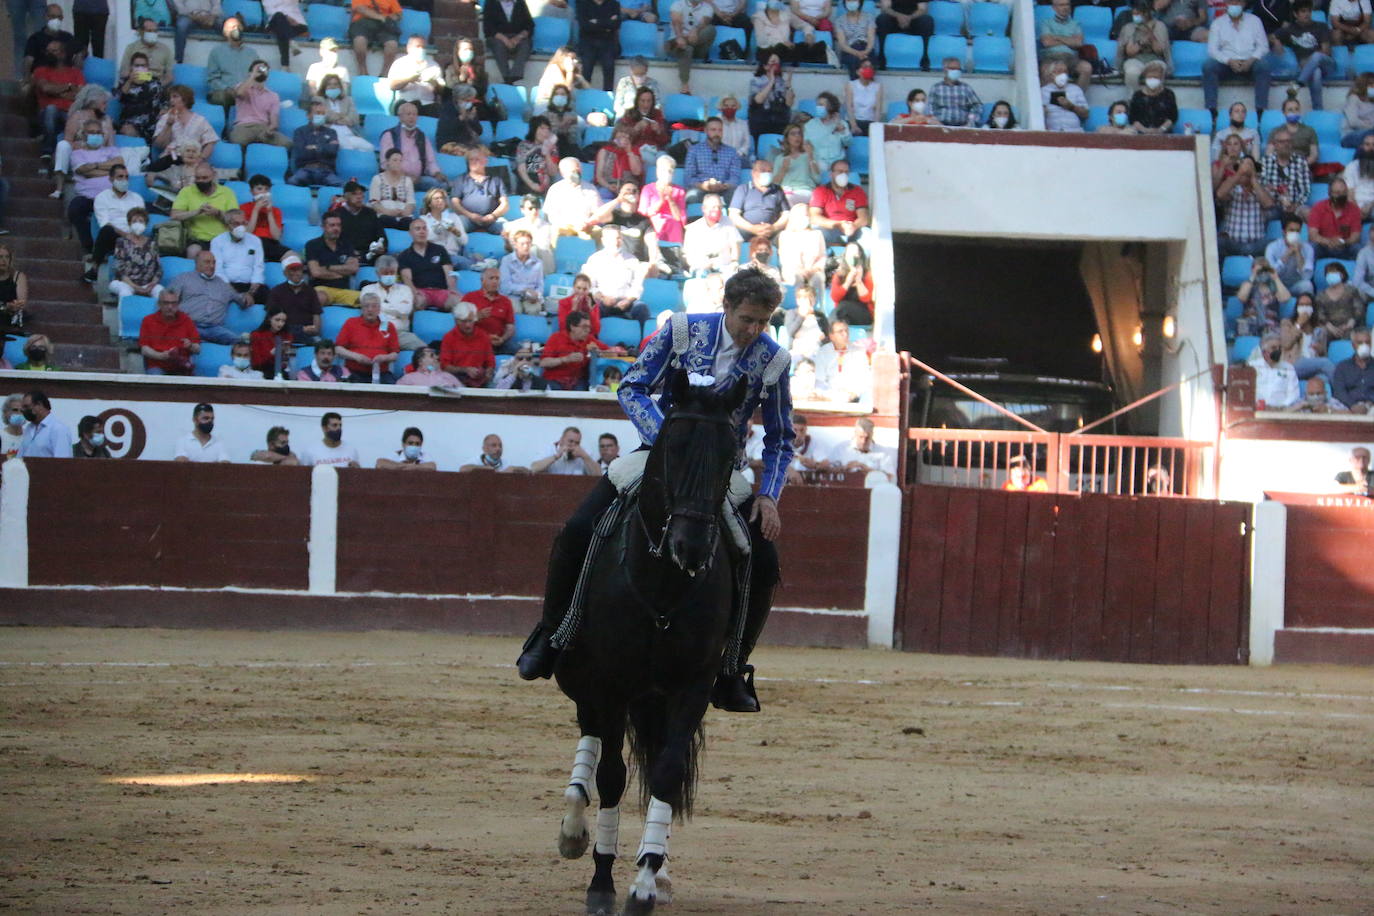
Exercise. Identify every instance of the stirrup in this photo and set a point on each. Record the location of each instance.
(538, 656)
(735, 692)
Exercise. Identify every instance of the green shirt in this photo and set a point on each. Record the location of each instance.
(1067, 29)
(227, 67)
(204, 227)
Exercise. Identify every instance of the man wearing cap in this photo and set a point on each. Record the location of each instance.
(301, 301)
(360, 229)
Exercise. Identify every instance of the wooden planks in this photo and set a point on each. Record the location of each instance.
(1329, 573)
(1074, 577)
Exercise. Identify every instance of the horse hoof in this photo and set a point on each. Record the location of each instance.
(636, 907)
(573, 847)
(600, 903)
(664, 886)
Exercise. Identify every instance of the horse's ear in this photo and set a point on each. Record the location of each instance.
(738, 393)
(680, 386)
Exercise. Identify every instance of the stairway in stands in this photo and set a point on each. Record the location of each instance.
(63, 307)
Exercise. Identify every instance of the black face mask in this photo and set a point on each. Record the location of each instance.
(1338, 198)
(1364, 154)
(1273, 356)
(260, 77)
(206, 428)
(282, 449)
(29, 414)
(36, 354)
(1235, 123)
(333, 435)
(205, 187)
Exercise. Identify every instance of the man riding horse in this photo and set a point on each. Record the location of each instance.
(718, 349)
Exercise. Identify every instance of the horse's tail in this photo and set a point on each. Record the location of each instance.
(647, 730)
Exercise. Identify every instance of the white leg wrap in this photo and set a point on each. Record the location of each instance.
(607, 831)
(657, 820)
(584, 763)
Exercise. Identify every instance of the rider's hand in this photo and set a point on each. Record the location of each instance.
(765, 512)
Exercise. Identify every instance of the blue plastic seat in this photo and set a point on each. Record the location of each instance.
(487, 245)
(226, 155)
(294, 202)
(430, 325)
(904, 52)
(550, 34)
(1188, 58)
(858, 155)
(948, 16)
(988, 19)
(1043, 11)
(593, 134)
(1235, 270)
(531, 328)
(192, 77)
(1096, 21)
(273, 274)
(587, 101)
(14, 350)
(372, 96)
(245, 321)
(511, 130)
(638, 39)
(1097, 116)
(414, 22)
(1199, 118)
(992, 54)
(132, 311)
(559, 285)
(292, 119)
(173, 267)
(1326, 124)
(513, 98)
(1341, 55)
(469, 281)
(397, 240)
(212, 113)
(941, 46)
(99, 70)
(1339, 350)
(769, 144)
(1272, 119)
(286, 84)
(623, 331)
(1243, 347)
(571, 252)
(1319, 192)
(378, 124)
(210, 358)
(265, 159)
(356, 163)
(296, 235)
(325, 21)
(332, 319)
(250, 11)
(725, 33)
(1362, 59)
(661, 296)
(679, 107)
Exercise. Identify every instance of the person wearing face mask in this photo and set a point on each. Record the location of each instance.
(11, 427)
(1237, 50)
(468, 68)
(1065, 104)
(192, 14)
(257, 111)
(229, 63)
(38, 353)
(906, 17)
(111, 208)
(734, 129)
(31, 50)
(1305, 142)
(1142, 40)
(397, 300)
(1304, 341)
(158, 54)
(1333, 225)
(1276, 381)
(138, 269)
(425, 372)
(770, 101)
(87, 113)
(201, 445)
(460, 122)
(314, 151)
(1118, 120)
(1316, 400)
(263, 218)
(840, 208)
(45, 436)
(1262, 295)
(327, 64)
(1060, 38)
(917, 110)
(202, 206)
(1353, 380)
(411, 455)
(1310, 42)
(1339, 305)
(239, 257)
(240, 365)
(1153, 108)
(1236, 127)
(55, 85)
(953, 101)
(1291, 258)
(828, 133)
(92, 165)
(1000, 116)
(413, 77)
(759, 208)
(863, 98)
(140, 100)
(856, 38)
(278, 449)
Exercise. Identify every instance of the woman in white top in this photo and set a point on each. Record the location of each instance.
(445, 226)
(1349, 21)
(340, 113)
(392, 194)
(563, 69)
(801, 251)
(863, 99)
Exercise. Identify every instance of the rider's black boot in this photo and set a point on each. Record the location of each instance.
(735, 692)
(539, 656)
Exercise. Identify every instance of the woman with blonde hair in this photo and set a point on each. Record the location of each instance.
(795, 168)
(563, 70)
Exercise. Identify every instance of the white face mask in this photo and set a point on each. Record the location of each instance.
(841, 179)
(1234, 10)
(120, 184)
(137, 228)
(240, 362)
(1153, 82)
(1292, 238)
(238, 232)
(1061, 80)
(1000, 122)
(765, 179)
(1362, 351)
(54, 25)
(1304, 310)
(918, 108)
(954, 74)
(150, 38)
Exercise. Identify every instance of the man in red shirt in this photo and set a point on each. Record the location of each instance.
(55, 83)
(581, 300)
(495, 314)
(1333, 225)
(368, 346)
(466, 350)
(168, 337)
(839, 209)
(568, 354)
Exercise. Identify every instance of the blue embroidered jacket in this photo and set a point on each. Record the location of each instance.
(689, 344)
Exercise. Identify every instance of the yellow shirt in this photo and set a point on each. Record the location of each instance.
(204, 227)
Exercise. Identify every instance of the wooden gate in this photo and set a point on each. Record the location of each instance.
(1058, 576)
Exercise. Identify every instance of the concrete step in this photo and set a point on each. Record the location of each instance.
(59, 281)
(66, 312)
(37, 227)
(90, 357)
(32, 249)
(30, 185)
(84, 334)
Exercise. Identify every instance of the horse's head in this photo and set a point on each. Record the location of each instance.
(691, 461)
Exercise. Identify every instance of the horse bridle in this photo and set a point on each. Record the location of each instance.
(656, 547)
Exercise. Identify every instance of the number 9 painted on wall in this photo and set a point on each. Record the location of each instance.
(125, 435)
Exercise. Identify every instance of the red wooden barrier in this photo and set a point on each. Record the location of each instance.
(1329, 575)
(1038, 575)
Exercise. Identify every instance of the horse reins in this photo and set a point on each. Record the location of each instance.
(656, 547)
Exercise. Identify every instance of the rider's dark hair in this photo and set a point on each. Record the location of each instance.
(753, 286)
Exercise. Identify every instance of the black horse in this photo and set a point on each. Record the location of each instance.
(657, 611)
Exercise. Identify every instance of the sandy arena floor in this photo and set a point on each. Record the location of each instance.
(873, 783)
